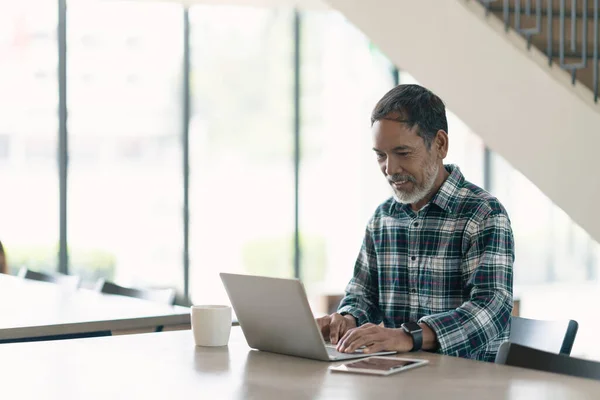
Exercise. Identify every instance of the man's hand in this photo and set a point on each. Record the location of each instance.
(376, 338)
(334, 326)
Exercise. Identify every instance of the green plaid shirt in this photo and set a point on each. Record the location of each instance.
(448, 265)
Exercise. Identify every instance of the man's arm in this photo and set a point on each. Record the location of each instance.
(362, 293)
(487, 271)
(429, 337)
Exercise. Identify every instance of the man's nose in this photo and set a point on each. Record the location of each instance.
(392, 167)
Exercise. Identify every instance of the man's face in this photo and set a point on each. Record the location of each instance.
(409, 167)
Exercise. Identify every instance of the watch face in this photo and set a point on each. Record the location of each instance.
(411, 326)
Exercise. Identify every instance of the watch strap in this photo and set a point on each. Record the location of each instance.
(416, 334)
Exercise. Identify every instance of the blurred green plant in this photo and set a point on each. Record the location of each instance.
(89, 264)
(92, 264)
(37, 258)
(273, 256)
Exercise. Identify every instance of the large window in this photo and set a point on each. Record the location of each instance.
(241, 146)
(556, 263)
(550, 247)
(29, 208)
(125, 170)
(343, 76)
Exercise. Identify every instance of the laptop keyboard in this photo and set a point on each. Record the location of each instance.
(331, 349)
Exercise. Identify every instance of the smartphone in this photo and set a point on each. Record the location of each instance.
(378, 365)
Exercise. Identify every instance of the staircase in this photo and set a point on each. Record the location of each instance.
(522, 74)
(565, 30)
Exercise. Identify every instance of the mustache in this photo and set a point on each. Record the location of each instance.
(400, 178)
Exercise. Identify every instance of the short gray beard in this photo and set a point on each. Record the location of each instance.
(420, 192)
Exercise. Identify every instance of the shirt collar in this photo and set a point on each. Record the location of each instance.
(446, 197)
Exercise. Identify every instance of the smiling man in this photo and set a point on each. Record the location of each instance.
(436, 262)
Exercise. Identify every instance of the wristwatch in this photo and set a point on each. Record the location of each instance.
(416, 332)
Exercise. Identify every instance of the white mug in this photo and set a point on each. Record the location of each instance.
(211, 325)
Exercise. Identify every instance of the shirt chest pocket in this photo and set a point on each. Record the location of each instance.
(440, 283)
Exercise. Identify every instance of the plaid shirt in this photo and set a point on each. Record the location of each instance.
(448, 265)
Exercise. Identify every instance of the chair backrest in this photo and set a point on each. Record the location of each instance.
(3, 265)
(552, 336)
(164, 296)
(71, 281)
(527, 357)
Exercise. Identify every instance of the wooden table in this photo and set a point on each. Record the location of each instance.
(167, 365)
(31, 309)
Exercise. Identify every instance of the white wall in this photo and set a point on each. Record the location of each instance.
(523, 109)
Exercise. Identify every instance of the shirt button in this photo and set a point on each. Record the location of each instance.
(416, 224)
(413, 290)
(413, 258)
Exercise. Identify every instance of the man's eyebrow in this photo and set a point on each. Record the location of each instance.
(397, 148)
(403, 148)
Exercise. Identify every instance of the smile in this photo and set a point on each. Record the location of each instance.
(399, 184)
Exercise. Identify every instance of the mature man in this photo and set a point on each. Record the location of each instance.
(436, 261)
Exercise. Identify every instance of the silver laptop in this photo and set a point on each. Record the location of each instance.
(275, 316)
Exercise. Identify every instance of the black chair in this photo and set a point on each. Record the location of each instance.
(526, 357)
(163, 296)
(552, 336)
(70, 281)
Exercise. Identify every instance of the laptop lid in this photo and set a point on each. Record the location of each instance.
(274, 315)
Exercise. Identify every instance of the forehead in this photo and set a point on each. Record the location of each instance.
(388, 134)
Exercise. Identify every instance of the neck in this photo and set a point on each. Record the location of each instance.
(439, 181)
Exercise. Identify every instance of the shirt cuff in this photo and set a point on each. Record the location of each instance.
(448, 332)
(359, 315)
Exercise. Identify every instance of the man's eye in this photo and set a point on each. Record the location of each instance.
(404, 154)
(380, 156)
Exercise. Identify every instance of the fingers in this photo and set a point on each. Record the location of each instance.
(324, 324)
(365, 339)
(355, 334)
(375, 348)
(337, 327)
(353, 331)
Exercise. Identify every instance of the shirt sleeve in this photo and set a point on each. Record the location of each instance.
(488, 275)
(362, 293)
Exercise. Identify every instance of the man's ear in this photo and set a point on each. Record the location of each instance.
(441, 143)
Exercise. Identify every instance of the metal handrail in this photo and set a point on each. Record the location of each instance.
(573, 67)
(579, 22)
(528, 32)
